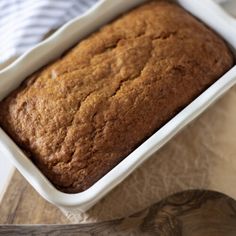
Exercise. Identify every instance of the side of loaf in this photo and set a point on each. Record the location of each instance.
(81, 115)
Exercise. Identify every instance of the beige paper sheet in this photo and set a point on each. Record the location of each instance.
(202, 156)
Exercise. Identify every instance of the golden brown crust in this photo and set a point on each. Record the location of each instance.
(81, 115)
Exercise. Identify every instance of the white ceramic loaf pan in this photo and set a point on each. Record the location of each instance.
(67, 36)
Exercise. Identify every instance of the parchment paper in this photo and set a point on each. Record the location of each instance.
(202, 156)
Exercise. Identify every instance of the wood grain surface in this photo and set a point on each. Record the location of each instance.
(193, 213)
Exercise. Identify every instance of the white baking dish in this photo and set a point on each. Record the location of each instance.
(63, 39)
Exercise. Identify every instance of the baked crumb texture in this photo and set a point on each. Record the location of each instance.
(81, 115)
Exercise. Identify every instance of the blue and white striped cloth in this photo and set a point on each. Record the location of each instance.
(24, 23)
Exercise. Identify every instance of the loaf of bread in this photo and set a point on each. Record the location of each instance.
(81, 115)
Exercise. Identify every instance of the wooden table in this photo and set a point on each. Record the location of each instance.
(191, 213)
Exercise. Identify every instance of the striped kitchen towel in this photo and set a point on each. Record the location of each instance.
(24, 23)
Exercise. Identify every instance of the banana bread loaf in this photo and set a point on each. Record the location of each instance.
(82, 114)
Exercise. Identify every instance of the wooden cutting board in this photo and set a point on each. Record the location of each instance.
(191, 213)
